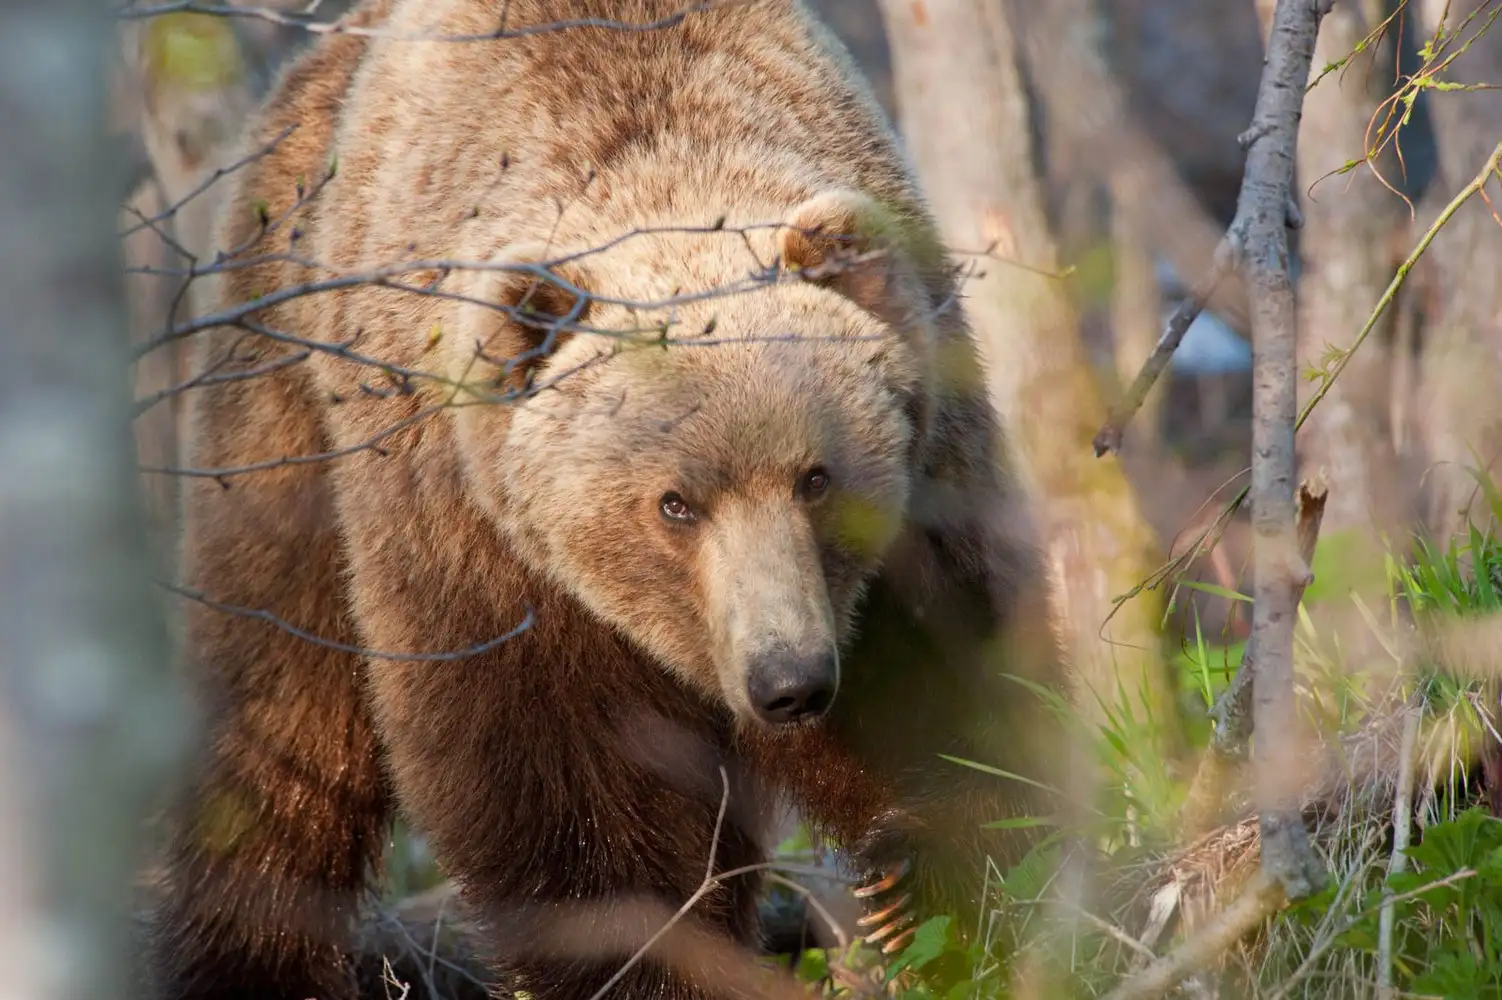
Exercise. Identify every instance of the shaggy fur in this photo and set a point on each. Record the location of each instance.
(582, 760)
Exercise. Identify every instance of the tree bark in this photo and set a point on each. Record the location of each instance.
(965, 122)
(1351, 225)
(89, 713)
(1461, 367)
(189, 83)
(1279, 569)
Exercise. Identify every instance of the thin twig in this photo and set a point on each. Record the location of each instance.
(386, 277)
(712, 881)
(1402, 822)
(1318, 951)
(1109, 438)
(213, 178)
(709, 884)
(841, 936)
(372, 443)
(375, 654)
(207, 378)
(1099, 923)
(1461, 197)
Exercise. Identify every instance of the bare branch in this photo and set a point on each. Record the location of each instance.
(1260, 898)
(1328, 940)
(1223, 263)
(386, 277)
(1402, 824)
(260, 614)
(372, 443)
(1476, 186)
(502, 31)
(218, 174)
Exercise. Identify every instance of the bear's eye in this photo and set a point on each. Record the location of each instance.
(675, 508)
(815, 482)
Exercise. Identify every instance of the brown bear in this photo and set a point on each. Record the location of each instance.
(652, 480)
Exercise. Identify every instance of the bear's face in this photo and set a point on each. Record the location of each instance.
(724, 499)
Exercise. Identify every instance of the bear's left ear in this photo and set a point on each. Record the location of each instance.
(845, 241)
(517, 315)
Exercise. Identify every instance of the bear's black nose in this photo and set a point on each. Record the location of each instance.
(785, 687)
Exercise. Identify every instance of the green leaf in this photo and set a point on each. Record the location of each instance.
(1215, 589)
(1454, 976)
(960, 990)
(932, 939)
(1028, 878)
(813, 965)
(1022, 823)
(997, 772)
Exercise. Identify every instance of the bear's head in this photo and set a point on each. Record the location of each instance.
(718, 477)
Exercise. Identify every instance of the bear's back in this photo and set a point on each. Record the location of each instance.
(500, 125)
(574, 132)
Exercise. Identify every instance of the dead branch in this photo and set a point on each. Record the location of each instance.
(1261, 897)
(1223, 263)
(1402, 822)
(215, 176)
(386, 276)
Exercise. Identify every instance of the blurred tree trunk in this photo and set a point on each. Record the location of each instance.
(1089, 119)
(187, 85)
(150, 299)
(965, 122)
(1347, 255)
(1460, 392)
(89, 715)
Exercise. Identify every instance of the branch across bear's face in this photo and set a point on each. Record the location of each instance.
(723, 497)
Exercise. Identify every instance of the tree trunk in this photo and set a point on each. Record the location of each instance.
(188, 84)
(1087, 112)
(89, 713)
(965, 122)
(1346, 248)
(1461, 380)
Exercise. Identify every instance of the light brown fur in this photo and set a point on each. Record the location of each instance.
(581, 759)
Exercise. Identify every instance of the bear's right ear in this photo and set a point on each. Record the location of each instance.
(844, 240)
(516, 314)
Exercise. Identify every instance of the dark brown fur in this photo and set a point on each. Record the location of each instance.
(566, 765)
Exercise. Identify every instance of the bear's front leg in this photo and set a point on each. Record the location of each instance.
(571, 789)
(282, 820)
(564, 837)
(917, 841)
(873, 775)
(848, 803)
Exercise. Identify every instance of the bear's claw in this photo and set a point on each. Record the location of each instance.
(892, 920)
(881, 885)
